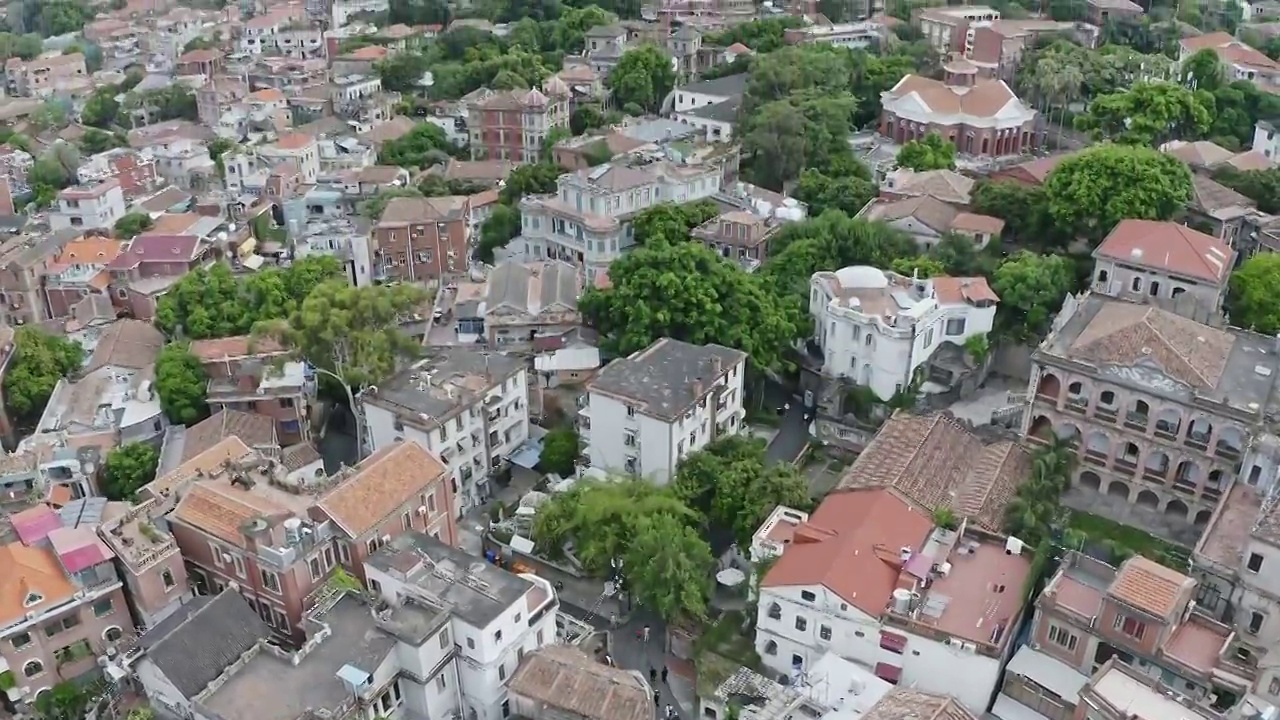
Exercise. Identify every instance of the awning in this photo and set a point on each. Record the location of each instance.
(253, 262)
(528, 454)
(893, 642)
(1049, 673)
(888, 673)
(247, 247)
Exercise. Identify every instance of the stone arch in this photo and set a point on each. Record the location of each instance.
(1041, 427)
(1148, 499)
(1169, 420)
(1188, 472)
(1200, 430)
(1076, 389)
(1118, 489)
(1217, 479)
(1141, 407)
(1230, 440)
(1107, 398)
(1089, 479)
(1068, 433)
(1098, 442)
(1049, 386)
(1130, 453)
(1176, 508)
(1202, 517)
(1157, 463)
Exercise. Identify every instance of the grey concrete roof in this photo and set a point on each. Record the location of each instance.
(727, 86)
(450, 576)
(667, 377)
(444, 381)
(200, 646)
(726, 111)
(532, 288)
(270, 688)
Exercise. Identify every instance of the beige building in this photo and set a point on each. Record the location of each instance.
(519, 303)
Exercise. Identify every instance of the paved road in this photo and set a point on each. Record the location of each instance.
(793, 435)
(629, 652)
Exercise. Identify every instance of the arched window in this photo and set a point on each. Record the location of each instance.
(32, 668)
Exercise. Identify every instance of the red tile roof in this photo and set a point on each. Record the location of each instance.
(149, 247)
(1168, 246)
(850, 546)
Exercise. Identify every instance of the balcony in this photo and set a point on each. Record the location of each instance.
(1106, 414)
(1185, 486)
(1137, 421)
(1126, 466)
(1094, 457)
(1226, 452)
(1197, 440)
(1167, 431)
(1158, 475)
(1076, 404)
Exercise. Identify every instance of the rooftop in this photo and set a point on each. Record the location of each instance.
(405, 210)
(888, 295)
(140, 537)
(446, 577)
(380, 484)
(1151, 587)
(1224, 538)
(569, 680)
(665, 379)
(444, 382)
(1169, 247)
(534, 289)
(939, 463)
(272, 687)
(1174, 355)
(257, 431)
(1120, 688)
(201, 640)
(130, 344)
(909, 704)
(31, 579)
(725, 87)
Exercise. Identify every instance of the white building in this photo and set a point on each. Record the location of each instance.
(878, 327)
(89, 207)
(1266, 140)
(179, 161)
(647, 411)
(870, 578)
(493, 618)
(708, 92)
(468, 408)
(833, 689)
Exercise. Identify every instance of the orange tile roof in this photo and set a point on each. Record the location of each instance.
(1168, 246)
(214, 509)
(231, 448)
(234, 347)
(90, 251)
(27, 571)
(267, 95)
(368, 52)
(383, 482)
(1150, 586)
(173, 223)
(963, 290)
(294, 141)
(850, 546)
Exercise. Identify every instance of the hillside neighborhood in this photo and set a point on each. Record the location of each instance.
(639, 360)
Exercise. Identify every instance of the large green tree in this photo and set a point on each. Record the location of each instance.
(131, 225)
(498, 229)
(1024, 209)
(182, 385)
(1031, 289)
(668, 567)
(686, 291)
(1091, 191)
(560, 450)
(1254, 298)
(1260, 186)
(805, 130)
(643, 77)
(39, 361)
(1150, 114)
(848, 194)
(672, 222)
(931, 153)
(420, 148)
(128, 468)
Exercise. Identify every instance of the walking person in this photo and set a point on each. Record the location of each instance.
(664, 674)
(669, 712)
(653, 675)
(656, 699)
(644, 634)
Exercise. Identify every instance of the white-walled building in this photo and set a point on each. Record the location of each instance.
(1266, 140)
(878, 327)
(468, 408)
(869, 577)
(294, 147)
(645, 412)
(89, 207)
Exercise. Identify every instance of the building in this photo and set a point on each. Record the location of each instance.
(297, 148)
(639, 408)
(588, 221)
(89, 207)
(1140, 616)
(177, 659)
(78, 271)
(421, 239)
(1118, 692)
(950, 29)
(1160, 408)
(257, 375)
(61, 608)
(710, 105)
(24, 259)
(496, 619)
(208, 62)
(561, 682)
(997, 48)
(518, 303)
(135, 172)
(150, 265)
(869, 577)
(929, 220)
(1241, 61)
(512, 124)
(856, 35)
(1266, 140)
(148, 562)
(1165, 264)
(947, 186)
(468, 408)
(112, 400)
(1101, 12)
(278, 536)
(183, 443)
(1220, 211)
(879, 328)
(743, 236)
(981, 117)
(832, 689)
(40, 77)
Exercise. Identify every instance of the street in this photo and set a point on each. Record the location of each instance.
(792, 437)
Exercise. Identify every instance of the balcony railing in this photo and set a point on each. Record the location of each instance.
(1128, 466)
(1159, 475)
(1199, 441)
(1095, 458)
(1106, 414)
(1136, 420)
(1077, 404)
(1227, 452)
(1166, 430)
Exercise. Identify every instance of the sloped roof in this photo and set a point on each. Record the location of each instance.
(1149, 586)
(984, 99)
(1125, 334)
(1169, 247)
(382, 482)
(255, 430)
(30, 571)
(127, 343)
(566, 678)
(1200, 153)
(194, 652)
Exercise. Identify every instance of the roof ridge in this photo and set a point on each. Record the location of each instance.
(1181, 355)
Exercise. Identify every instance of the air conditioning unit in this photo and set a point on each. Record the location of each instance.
(422, 509)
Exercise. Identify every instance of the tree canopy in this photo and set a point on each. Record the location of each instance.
(1150, 114)
(672, 222)
(643, 77)
(39, 361)
(930, 153)
(131, 225)
(127, 468)
(1031, 289)
(181, 384)
(420, 148)
(498, 229)
(560, 450)
(1093, 190)
(1254, 297)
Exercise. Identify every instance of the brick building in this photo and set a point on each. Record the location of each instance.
(511, 125)
(422, 238)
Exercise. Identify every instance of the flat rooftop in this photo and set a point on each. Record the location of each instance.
(980, 599)
(444, 381)
(269, 687)
(668, 377)
(1224, 539)
(1139, 701)
(1197, 644)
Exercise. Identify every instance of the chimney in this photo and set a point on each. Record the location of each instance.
(716, 366)
(697, 387)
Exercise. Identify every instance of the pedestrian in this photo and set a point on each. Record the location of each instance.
(645, 633)
(608, 660)
(669, 711)
(653, 675)
(656, 700)
(664, 674)
(613, 620)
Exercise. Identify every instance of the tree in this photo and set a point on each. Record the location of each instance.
(200, 43)
(498, 229)
(806, 130)
(52, 115)
(128, 468)
(94, 141)
(39, 361)
(1150, 114)
(667, 567)
(376, 205)
(931, 153)
(688, 292)
(403, 72)
(1203, 71)
(585, 118)
(1024, 209)
(101, 109)
(131, 225)
(848, 194)
(1091, 191)
(1031, 289)
(560, 450)
(1254, 297)
(672, 223)
(66, 701)
(20, 46)
(922, 266)
(643, 76)
(420, 148)
(181, 384)
(1260, 186)
(219, 147)
(531, 179)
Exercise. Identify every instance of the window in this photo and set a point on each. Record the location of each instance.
(517, 617)
(1136, 285)
(1256, 619)
(796, 661)
(166, 577)
(431, 503)
(631, 411)
(239, 563)
(824, 632)
(506, 708)
(444, 639)
(471, 643)
(1274, 686)
(317, 571)
(771, 648)
(441, 683)
(502, 672)
(218, 555)
(21, 640)
(1129, 626)
(32, 668)
(270, 580)
(801, 623)
(344, 552)
(497, 636)
(807, 596)
(955, 326)
(406, 520)
(375, 586)
(102, 608)
(112, 634)
(1062, 638)
(1255, 562)
(71, 621)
